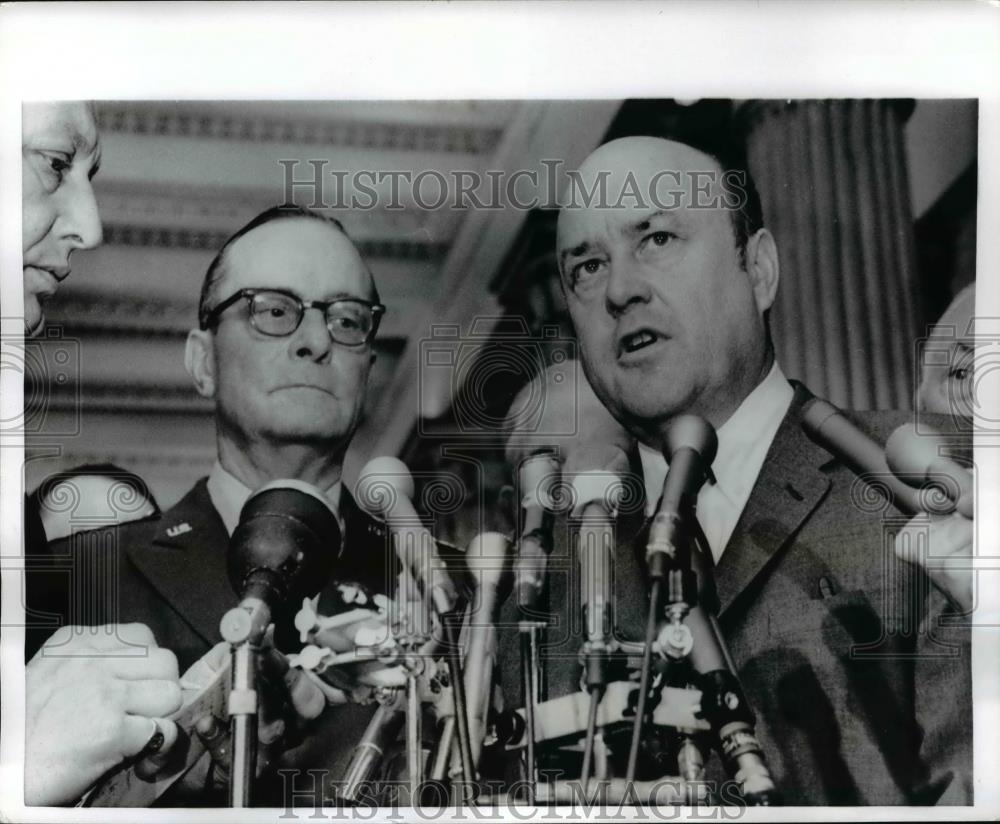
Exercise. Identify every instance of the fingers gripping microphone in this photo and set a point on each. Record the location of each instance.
(917, 459)
(283, 549)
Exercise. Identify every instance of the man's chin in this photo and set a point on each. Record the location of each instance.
(34, 318)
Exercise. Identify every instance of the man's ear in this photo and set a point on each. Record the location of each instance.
(199, 360)
(763, 268)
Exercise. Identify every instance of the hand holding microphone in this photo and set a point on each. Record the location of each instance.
(914, 474)
(947, 557)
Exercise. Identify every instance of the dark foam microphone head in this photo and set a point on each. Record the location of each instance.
(286, 543)
(694, 433)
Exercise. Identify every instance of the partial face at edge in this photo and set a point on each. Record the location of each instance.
(60, 153)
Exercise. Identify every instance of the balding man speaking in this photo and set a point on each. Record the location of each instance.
(669, 290)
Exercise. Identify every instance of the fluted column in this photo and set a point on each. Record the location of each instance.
(833, 180)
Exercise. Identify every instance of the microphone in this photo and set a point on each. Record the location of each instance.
(283, 549)
(829, 427)
(576, 427)
(279, 551)
(723, 702)
(597, 493)
(916, 458)
(379, 735)
(535, 479)
(690, 447)
(488, 558)
(385, 490)
(570, 418)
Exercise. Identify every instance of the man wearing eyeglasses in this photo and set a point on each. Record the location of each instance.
(287, 315)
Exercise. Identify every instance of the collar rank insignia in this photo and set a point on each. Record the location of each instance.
(179, 529)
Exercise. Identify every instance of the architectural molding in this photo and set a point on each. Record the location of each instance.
(174, 237)
(129, 398)
(185, 120)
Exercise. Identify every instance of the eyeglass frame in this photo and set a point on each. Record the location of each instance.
(211, 317)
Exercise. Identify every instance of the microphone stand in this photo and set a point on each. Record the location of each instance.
(535, 478)
(595, 547)
(691, 444)
(692, 632)
(414, 635)
(244, 630)
(411, 636)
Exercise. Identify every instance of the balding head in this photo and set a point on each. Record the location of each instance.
(670, 316)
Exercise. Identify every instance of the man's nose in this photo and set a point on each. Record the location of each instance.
(626, 285)
(81, 220)
(312, 338)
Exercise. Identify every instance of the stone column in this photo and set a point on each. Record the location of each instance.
(833, 180)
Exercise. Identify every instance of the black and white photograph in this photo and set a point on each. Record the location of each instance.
(554, 433)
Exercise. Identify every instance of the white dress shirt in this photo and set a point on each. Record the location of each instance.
(228, 495)
(744, 440)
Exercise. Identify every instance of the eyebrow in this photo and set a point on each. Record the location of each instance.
(329, 298)
(576, 251)
(644, 224)
(639, 226)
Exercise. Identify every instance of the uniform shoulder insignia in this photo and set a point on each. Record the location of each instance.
(178, 529)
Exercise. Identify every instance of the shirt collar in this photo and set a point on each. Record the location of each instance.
(743, 442)
(229, 493)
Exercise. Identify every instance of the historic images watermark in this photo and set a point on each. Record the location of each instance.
(314, 183)
(313, 795)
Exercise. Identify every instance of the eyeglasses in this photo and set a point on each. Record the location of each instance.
(350, 321)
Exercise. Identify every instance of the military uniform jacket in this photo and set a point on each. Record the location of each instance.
(169, 572)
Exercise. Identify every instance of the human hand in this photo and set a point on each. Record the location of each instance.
(947, 556)
(94, 697)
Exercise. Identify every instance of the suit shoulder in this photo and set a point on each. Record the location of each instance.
(127, 534)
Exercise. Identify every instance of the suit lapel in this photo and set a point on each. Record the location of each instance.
(788, 490)
(186, 562)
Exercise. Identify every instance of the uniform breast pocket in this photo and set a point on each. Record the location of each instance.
(847, 618)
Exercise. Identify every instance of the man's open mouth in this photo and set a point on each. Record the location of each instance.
(635, 341)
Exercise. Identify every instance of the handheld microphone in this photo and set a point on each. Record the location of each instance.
(916, 458)
(283, 549)
(829, 427)
(385, 489)
(690, 448)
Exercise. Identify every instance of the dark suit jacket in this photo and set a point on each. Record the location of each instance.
(861, 696)
(170, 573)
